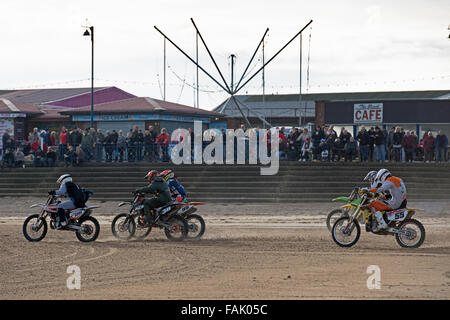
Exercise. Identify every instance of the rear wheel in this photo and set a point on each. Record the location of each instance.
(123, 226)
(411, 234)
(333, 216)
(196, 226)
(34, 228)
(178, 229)
(346, 233)
(90, 228)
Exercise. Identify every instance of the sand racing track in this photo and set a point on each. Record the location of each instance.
(247, 252)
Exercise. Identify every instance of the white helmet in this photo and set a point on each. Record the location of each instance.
(382, 175)
(370, 176)
(64, 178)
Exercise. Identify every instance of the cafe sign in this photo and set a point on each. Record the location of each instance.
(368, 113)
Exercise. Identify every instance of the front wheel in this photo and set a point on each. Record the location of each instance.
(196, 226)
(34, 228)
(90, 228)
(346, 233)
(178, 229)
(142, 229)
(411, 234)
(333, 216)
(123, 226)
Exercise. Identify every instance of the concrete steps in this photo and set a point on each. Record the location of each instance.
(295, 182)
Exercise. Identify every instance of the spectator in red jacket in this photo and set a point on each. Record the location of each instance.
(283, 141)
(163, 140)
(428, 146)
(409, 144)
(53, 139)
(62, 143)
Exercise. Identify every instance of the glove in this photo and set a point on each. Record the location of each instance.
(52, 192)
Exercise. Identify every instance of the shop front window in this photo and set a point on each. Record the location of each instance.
(434, 128)
(405, 127)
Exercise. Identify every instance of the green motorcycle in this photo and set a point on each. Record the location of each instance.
(351, 201)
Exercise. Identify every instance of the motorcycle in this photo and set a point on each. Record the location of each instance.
(132, 224)
(343, 211)
(196, 224)
(408, 232)
(85, 226)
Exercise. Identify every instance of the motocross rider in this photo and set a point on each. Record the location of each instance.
(158, 186)
(176, 189)
(371, 178)
(397, 190)
(73, 192)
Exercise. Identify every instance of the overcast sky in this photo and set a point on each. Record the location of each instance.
(355, 45)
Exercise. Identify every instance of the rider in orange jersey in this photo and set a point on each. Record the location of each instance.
(396, 188)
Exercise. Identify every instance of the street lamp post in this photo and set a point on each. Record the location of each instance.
(90, 32)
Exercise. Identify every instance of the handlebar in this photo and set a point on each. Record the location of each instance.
(365, 191)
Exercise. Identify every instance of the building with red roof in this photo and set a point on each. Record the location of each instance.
(41, 107)
(143, 112)
(114, 109)
(13, 117)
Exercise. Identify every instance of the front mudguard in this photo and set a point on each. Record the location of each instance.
(341, 199)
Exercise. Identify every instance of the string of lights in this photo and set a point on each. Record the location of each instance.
(210, 88)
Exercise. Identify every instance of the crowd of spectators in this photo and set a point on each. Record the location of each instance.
(375, 144)
(77, 146)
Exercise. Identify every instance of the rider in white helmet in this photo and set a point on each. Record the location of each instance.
(73, 192)
(397, 190)
(371, 178)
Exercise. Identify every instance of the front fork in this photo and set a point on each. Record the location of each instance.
(352, 218)
(38, 224)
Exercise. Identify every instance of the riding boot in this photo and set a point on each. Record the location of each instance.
(380, 220)
(62, 217)
(148, 217)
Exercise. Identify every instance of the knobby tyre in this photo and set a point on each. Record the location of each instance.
(411, 234)
(91, 229)
(340, 236)
(141, 230)
(123, 226)
(333, 216)
(196, 226)
(179, 230)
(28, 228)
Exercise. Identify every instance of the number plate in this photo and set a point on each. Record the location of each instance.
(398, 215)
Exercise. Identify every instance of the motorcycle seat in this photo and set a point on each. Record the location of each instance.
(399, 209)
(166, 205)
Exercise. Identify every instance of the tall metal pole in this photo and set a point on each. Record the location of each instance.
(227, 90)
(92, 76)
(232, 70)
(196, 49)
(263, 77)
(273, 57)
(251, 59)
(210, 55)
(164, 93)
(300, 83)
